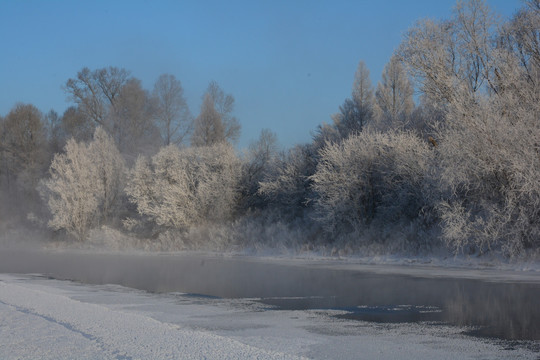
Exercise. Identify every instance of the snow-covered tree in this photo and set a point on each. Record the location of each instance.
(131, 120)
(71, 191)
(451, 56)
(224, 105)
(371, 174)
(75, 124)
(24, 156)
(111, 98)
(172, 112)
(183, 188)
(111, 171)
(25, 138)
(356, 111)
(489, 158)
(485, 83)
(215, 123)
(394, 97)
(256, 164)
(84, 185)
(362, 92)
(286, 185)
(96, 92)
(208, 126)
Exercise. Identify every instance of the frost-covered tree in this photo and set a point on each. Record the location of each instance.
(350, 119)
(394, 97)
(55, 134)
(215, 123)
(520, 50)
(370, 175)
(111, 98)
(24, 151)
(452, 56)
(183, 188)
(71, 191)
(96, 92)
(428, 50)
(24, 136)
(256, 164)
(224, 105)
(84, 184)
(484, 84)
(522, 35)
(362, 92)
(208, 126)
(131, 119)
(287, 184)
(75, 124)
(489, 158)
(110, 168)
(172, 112)
(356, 111)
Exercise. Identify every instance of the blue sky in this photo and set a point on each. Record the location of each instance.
(289, 64)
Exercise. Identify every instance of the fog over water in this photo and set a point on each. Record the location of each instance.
(501, 309)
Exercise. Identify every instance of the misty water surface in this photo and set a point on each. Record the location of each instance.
(502, 309)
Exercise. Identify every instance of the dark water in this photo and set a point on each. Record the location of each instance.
(505, 310)
(508, 311)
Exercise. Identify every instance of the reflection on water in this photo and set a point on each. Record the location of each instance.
(394, 314)
(508, 311)
(495, 309)
(499, 310)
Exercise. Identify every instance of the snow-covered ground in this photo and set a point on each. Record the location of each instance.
(42, 318)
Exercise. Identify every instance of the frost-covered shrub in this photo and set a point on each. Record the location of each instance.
(183, 188)
(84, 185)
(287, 184)
(369, 176)
(267, 231)
(490, 176)
(110, 169)
(109, 238)
(257, 162)
(483, 78)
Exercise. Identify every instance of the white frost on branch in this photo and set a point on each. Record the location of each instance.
(84, 185)
(181, 188)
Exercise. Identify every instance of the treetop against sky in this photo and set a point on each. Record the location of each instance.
(289, 64)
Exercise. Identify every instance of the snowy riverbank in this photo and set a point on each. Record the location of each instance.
(51, 319)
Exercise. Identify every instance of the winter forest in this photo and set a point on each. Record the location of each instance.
(442, 153)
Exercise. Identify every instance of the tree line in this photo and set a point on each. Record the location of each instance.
(444, 151)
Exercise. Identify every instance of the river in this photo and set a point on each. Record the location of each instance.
(488, 303)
